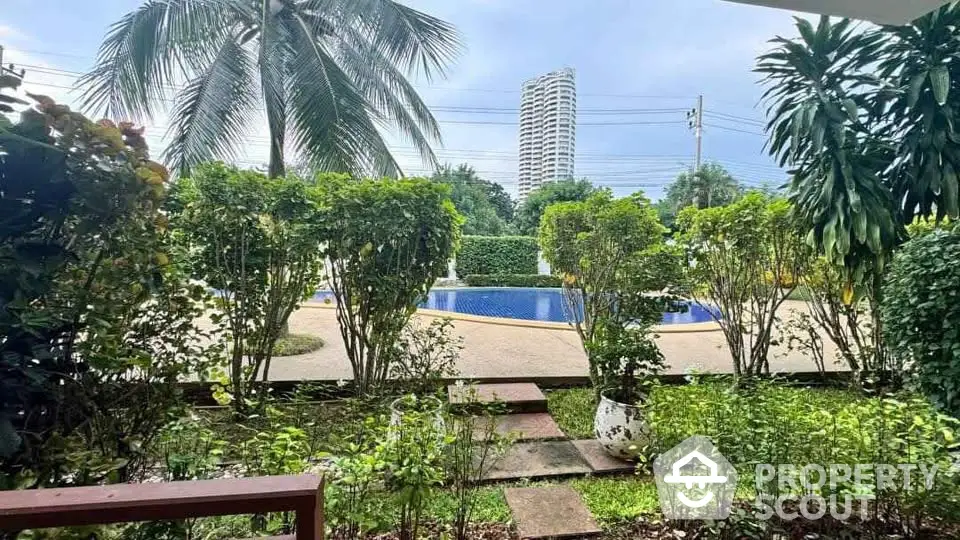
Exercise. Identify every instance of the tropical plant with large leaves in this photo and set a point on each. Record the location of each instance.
(867, 119)
(327, 74)
(919, 61)
(819, 126)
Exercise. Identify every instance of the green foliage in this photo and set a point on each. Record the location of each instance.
(294, 344)
(513, 280)
(710, 186)
(426, 355)
(820, 126)
(473, 447)
(328, 76)
(94, 317)
(851, 324)
(387, 242)
(866, 118)
(615, 500)
(921, 314)
(573, 409)
(773, 424)
(257, 242)
(497, 255)
(413, 455)
(922, 226)
(486, 207)
(611, 253)
(745, 256)
(532, 208)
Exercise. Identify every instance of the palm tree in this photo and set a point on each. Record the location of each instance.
(710, 186)
(327, 73)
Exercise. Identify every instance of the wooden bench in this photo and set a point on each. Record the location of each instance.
(121, 503)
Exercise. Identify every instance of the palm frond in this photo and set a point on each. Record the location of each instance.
(331, 122)
(389, 92)
(147, 49)
(415, 42)
(214, 110)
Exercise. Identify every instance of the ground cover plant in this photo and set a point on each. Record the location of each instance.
(776, 424)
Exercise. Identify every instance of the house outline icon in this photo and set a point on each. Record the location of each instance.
(675, 477)
(715, 478)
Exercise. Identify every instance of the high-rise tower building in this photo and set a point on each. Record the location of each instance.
(548, 127)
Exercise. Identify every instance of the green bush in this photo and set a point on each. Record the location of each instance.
(98, 327)
(497, 255)
(512, 280)
(387, 242)
(921, 314)
(257, 241)
(769, 423)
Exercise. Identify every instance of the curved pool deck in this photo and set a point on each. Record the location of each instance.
(519, 350)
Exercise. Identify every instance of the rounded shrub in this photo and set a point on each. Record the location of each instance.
(921, 314)
(497, 255)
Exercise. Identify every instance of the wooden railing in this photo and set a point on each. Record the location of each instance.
(120, 503)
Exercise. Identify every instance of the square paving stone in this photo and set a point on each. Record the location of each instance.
(519, 397)
(550, 512)
(538, 460)
(524, 427)
(599, 460)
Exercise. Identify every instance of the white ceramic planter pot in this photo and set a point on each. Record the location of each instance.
(620, 428)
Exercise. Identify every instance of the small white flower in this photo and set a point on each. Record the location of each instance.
(341, 383)
(460, 384)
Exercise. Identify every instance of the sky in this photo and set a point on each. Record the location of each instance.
(633, 55)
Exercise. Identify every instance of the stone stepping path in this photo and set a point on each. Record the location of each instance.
(550, 512)
(600, 461)
(518, 397)
(538, 460)
(524, 427)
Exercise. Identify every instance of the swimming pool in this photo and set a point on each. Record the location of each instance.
(525, 304)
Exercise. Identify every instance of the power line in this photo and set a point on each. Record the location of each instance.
(736, 130)
(735, 118)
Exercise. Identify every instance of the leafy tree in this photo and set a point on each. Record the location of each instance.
(820, 125)
(847, 322)
(611, 254)
(326, 73)
(501, 201)
(865, 118)
(256, 241)
(387, 242)
(479, 201)
(921, 314)
(98, 327)
(748, 257)
(532, 208)
(710, 186)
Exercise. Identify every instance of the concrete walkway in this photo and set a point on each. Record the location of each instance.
(492, 351)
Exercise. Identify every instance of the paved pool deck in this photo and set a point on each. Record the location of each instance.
(498, 351)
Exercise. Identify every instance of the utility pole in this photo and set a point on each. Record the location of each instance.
(10, 69)
(695, 117)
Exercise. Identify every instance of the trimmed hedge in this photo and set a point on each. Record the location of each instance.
(497, 255)
(512, 280)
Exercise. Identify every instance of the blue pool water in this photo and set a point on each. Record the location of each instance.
(526, 304)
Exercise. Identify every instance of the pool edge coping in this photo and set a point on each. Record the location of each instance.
(687, 328)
